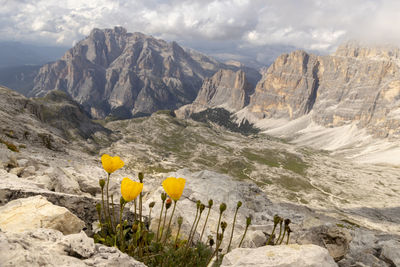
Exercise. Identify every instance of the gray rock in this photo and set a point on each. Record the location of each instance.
(42, 214)
(226, 89)
(279, 256)
(391, 252)
(47, 247)
(336, 240)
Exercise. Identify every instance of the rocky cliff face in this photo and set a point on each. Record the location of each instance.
(355, 84)
(226, 88)
(124, 74)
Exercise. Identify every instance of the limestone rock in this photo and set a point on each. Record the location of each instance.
(357, 84)
(336, 240)
(36, 212)
(391, 251)
(113, 72)
(47, 247)
(279, 256)
(226, 89)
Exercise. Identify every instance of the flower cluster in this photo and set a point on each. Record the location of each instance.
(160, 249)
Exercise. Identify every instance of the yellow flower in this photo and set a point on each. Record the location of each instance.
(174, 187)
(111, 164)
(130, 189)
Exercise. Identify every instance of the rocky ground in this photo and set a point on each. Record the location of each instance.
(346, 208)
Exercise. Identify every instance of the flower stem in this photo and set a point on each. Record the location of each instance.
(205, 223)
(163, 227)
(169, 223)
(108, 203)
(135, 217)
(121, 229)
(244, 234)
(280, 233)
(233, 228)
(140, 207)
(177, 235)
(104, 208)
(194, 231)
(191, 229)
(284, 232)
(159, 221)
(270, 237)
(113, 214)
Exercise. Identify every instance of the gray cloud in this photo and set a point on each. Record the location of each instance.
(221, 27)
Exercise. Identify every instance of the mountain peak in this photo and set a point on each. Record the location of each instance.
(113, 72)
(365, 50)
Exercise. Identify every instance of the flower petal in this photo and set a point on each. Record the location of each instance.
(174, 187)
(111, 164)
(130, 189)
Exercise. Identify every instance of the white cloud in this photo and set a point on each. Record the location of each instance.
(233, 25)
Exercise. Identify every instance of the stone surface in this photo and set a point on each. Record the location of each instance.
(47, 247)
(279, 256)
(391, 251)
(36, 212)
(335, 239)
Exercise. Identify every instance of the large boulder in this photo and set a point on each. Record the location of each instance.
(279, 256)
(47, 247)
(36, 212)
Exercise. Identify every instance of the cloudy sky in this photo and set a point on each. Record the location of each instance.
(251, 28)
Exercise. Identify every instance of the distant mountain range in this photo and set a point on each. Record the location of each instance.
(120, 74)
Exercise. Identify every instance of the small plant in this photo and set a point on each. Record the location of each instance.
(9, 145)
(160, 248)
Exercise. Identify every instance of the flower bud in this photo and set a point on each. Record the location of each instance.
(239, 204)
(287, 221)
(141, 176)
(125, 223)
(102, 183)
(211, 242)
(122, 201)
(151, 205)
(222, 207)
(210, 203)
(168, 203)
(277, 219)
(180, 220)
(248, 221)
(223, 226)
(163, 196)
(202, 207)
(198, 204)
(135, 227)
(98, 207)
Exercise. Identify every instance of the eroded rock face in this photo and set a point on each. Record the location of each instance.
(279, 256)
(36, 212)
(226, 88)
(47, 247)
(356, 84)
(120, 73)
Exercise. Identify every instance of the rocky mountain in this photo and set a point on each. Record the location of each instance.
(356, 85)
(226, 89)
(113, 72)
